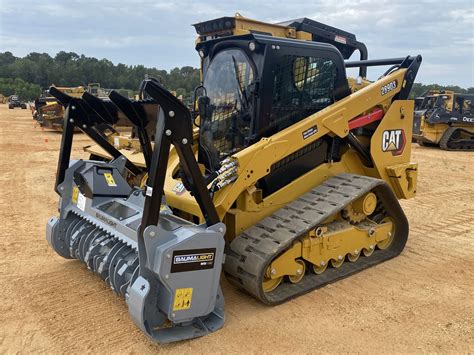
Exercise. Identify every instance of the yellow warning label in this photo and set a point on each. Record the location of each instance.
(75, 192)
(109, 179)
(182, 299)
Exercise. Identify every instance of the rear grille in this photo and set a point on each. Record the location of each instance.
(288, 159)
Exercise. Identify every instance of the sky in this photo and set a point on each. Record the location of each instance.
(159, 33)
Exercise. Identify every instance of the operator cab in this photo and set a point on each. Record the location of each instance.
(432, 101)
(257, 85)
(93, 89)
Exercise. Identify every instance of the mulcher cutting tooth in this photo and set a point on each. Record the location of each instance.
(104, 265)
(97, 261)
(133, 276)
(118, 279)
(113, 264)
(84, 244)
(130, 270)
(94, 249)
(77, 236)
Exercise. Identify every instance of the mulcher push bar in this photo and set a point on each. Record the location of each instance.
(108, 113)
(79, 114)
(136, 114)
(133, 111)
(174, 126)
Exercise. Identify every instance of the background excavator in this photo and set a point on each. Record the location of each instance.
(287, 178)
(444, 118)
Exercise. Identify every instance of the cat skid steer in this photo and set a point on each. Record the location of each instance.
(287, 182)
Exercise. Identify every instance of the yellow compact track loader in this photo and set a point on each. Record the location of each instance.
(49, 112)
(444, 118)
(285, 181)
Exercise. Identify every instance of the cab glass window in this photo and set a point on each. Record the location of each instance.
(302, 86)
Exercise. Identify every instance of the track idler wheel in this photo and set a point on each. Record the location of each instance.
(337, 263)
(384, 244)
(353, 257)
(368, 251)
(270, 284)
(299, 272)
(319, 269)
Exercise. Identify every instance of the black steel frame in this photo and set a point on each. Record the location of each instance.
(174, 126)
(78, 113)
(412, 64)
(327, 34)
(136, 114)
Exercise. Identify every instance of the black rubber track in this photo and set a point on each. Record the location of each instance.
(448, 141)
(252, 251)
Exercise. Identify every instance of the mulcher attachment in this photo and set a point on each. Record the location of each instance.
(168, 269)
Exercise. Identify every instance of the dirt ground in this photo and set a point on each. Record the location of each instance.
(422, 301)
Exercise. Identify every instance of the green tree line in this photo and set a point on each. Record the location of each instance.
(9, 86)
(26, 76)
(40, 70)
